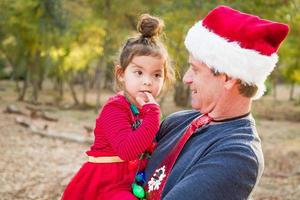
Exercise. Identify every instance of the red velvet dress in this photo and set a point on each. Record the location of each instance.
(114, 136)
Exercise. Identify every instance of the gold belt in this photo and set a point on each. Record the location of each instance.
(105, 159)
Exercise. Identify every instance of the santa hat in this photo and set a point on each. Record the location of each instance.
(241, 45)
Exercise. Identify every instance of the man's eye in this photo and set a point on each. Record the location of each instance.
(195, 69)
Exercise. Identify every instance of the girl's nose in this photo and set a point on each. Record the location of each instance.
(147, 81)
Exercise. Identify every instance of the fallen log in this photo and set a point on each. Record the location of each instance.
(22, 122)
(40, 113)
(67, 136)
(13, 109)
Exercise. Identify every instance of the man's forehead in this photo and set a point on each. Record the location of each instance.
(195, 61)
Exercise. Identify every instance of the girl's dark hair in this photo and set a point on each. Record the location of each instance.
(147, 43)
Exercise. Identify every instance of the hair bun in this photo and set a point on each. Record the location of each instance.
(150, 26)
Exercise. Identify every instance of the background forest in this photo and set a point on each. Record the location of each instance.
(75, 43)
(56, 70)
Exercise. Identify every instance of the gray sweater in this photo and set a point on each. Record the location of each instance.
(220, 161)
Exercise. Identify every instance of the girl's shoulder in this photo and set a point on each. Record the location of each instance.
(117, 99)
(113, 103)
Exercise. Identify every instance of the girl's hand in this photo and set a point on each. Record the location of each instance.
(145, 98)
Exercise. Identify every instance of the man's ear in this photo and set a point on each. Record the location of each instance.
(229, 82)
(119, 73)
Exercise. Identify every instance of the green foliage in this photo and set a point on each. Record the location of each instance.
(290, 50)
(63, 38)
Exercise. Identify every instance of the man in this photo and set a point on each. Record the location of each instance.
(213, 151)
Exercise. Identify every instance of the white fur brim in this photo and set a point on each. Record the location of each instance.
(229, 57)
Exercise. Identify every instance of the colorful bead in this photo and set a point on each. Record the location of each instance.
(138, 190)
(140, 177)
(136, 124)
(134, 109)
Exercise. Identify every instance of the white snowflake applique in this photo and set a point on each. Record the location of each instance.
(156, 179)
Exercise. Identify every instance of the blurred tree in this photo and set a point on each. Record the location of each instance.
(82, 53)
(77, 41)
(179, 16)
(30, 30)
(120, 22)
(290, 13)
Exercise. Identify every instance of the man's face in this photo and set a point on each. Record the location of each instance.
(206, 88)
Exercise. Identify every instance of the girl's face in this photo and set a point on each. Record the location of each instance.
(143, 74)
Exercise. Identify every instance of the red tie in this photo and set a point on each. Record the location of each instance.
(159, 178)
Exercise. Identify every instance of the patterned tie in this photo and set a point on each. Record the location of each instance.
(159, 178)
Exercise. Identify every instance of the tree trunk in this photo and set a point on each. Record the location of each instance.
(108, 75)
(40, 82)
(161, 102)
(58, 86)
(35, 91)
(98, 86)
(61, 89)
(162, 99)
(23, 90)
(181, 94)
(71, 85)
(291, 96)
(34, 73)
(40, 71)
(84, 87)
(14, 76)
(18, 88)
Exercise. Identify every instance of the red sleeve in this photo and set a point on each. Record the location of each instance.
(117, 127)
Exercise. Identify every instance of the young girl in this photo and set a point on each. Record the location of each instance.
(128, 122)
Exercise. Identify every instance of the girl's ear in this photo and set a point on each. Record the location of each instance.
(119, 73)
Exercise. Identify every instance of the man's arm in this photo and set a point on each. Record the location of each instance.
(227, 174)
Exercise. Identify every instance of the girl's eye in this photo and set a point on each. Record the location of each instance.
(157, 75)
(138, 72)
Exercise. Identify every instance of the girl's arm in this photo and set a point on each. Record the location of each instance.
(117, 126)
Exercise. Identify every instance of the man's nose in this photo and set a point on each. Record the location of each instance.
(187, 78)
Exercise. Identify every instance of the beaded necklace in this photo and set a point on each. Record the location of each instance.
(137, 186)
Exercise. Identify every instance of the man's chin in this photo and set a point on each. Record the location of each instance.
(195, 105)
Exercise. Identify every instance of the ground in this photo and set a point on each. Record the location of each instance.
(39, 167)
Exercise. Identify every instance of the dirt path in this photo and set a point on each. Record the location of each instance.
(281, 147)
(34, 167)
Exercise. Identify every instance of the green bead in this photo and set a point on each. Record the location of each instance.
(134, 109)
(138, 191)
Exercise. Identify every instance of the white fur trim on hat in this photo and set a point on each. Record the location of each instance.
(229, 57)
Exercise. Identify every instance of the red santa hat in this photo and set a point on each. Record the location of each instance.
(241, 45)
